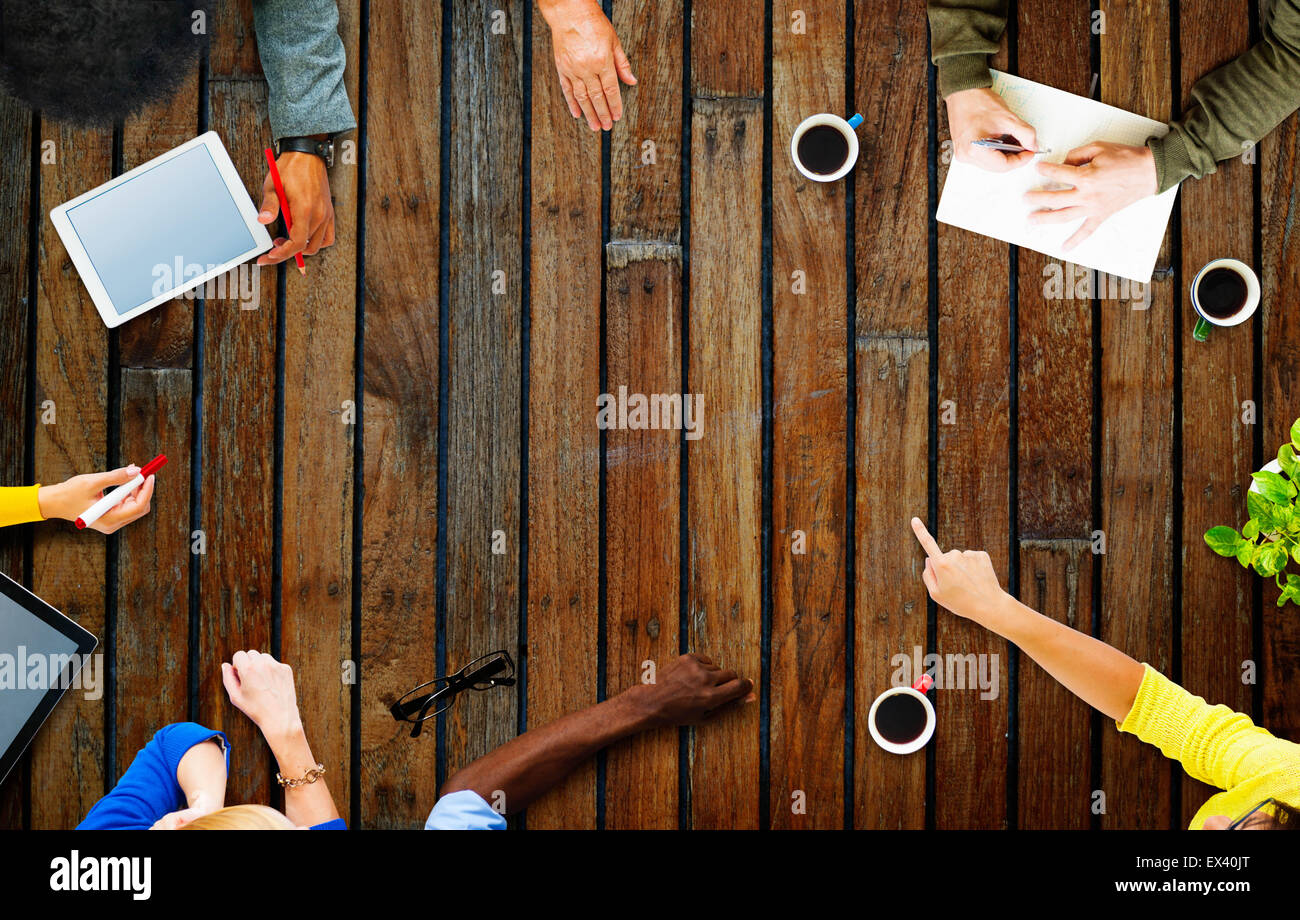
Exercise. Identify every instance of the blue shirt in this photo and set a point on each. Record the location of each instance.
(464, 811)
(149, 789)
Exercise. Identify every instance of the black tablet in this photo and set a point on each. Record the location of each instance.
(41, 654)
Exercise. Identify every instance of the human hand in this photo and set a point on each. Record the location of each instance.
(307, 185)
(693, 689)
(262, 689)
(201, 805)
(974, 114)
(1104, 178)
(962, 582)
(589, 60)
(68, 499)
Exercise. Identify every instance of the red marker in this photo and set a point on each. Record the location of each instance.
(284, 203)
(115, 498)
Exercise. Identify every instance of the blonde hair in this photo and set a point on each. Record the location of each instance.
(241, 818)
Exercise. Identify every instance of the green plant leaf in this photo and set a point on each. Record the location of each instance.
(1274, 558)
(1223, 540)
(1295, 552)
(1273, 487)
(1286, 458)
(1260, 509)
(1295, 433)
(1249, 530)
(1246, 553)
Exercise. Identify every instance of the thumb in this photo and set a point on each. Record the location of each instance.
(623, 65)
(100, 481)
(230, 679)
(270, 206)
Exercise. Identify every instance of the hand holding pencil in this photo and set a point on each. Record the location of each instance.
(297, 184)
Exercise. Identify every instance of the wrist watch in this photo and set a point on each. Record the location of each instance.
(323, 149)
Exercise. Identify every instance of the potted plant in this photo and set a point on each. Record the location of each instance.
(1270, 539)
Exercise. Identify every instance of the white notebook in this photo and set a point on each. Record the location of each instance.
(992, 204)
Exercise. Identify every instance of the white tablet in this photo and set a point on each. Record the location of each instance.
(161, 229)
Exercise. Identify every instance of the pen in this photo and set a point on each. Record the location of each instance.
(993, 143)
(114, 498)
(284, 204)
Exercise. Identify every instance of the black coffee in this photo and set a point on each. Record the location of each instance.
(823, 149)
(1221, 293)
(900, 718)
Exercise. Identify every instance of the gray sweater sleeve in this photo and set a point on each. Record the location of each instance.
(303, 59)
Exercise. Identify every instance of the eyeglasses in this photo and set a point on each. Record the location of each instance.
(496, 669)
(1236, 825)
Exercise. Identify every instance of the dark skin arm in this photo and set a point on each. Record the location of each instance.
(689, 691)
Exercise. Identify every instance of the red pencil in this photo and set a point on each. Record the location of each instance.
(284, 203)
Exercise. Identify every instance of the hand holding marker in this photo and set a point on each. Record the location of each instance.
(118, 495)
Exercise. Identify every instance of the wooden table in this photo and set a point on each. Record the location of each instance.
(349, 455)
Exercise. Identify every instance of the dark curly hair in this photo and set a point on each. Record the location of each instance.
(94, 62)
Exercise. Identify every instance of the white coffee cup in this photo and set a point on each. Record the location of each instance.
(1204, 319)
(839, 124)
(917, 690)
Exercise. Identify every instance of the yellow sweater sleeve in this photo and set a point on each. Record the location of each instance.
(1214, 744)
(18, 505)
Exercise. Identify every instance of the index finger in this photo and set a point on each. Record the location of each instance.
(927, 542)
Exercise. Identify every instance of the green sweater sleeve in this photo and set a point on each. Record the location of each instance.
(1236, 105)
(963, 33)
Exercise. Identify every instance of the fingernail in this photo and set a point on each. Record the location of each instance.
(132, 469)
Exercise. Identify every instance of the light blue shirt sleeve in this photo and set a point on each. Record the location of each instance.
(464, 811)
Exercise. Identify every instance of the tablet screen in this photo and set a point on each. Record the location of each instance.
(175, 217)
(31, 652)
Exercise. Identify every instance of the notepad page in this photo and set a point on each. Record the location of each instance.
(992, 204)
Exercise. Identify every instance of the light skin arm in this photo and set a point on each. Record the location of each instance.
(263, 689)
(965, 583)
(201, 774)
(690, 691)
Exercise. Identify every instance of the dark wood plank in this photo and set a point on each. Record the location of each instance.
(1055, 454)
(726, 52)
(68, 567)
(319, 426)
(809, 418)
(724, 492)
(893, 395)
(1218, 377)
(163, 337)
(974, 431)
(564, 443)
(238, 465)
(153, 571)
(1137, 441)
(1055, 751)
(642, 507)
(15, 217)
(1280, 282)
(400, 523)
(646, 148)
(233, 44)
(643, 352)
(483, 414)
